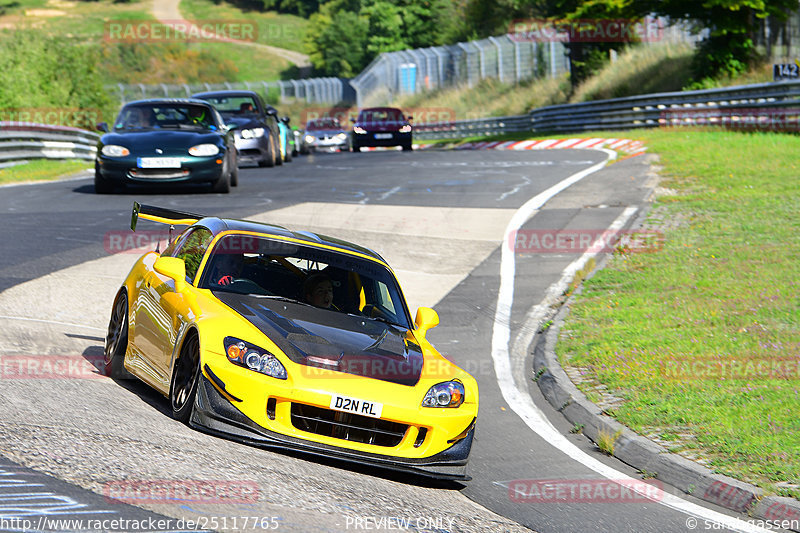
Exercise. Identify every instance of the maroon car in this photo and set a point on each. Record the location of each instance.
(381, 126)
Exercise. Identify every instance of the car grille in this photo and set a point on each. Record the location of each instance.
(346, 426)
(158, 173)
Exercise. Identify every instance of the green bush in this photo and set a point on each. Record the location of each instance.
(51, 77)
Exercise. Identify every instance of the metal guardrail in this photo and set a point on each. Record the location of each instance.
(25, 140)
(773, 106)
(764, 106)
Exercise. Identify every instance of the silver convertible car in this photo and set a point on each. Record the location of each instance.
(324, 135)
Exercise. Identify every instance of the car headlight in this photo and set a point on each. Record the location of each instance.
(251, 356)
(204, 150)
(406, 129)
(341, 136)
(252, 133)
(447, 394)
(359, 130)
(115, 150)
(310, 138)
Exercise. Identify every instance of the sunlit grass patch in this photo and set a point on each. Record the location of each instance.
(41, 169)
(657, 328)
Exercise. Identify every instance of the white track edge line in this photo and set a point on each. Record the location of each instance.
(521, 402)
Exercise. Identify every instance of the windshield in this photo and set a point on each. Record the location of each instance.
(336, 281)
(323, 124)
(378, 116)
(233, 105)
(170, 116)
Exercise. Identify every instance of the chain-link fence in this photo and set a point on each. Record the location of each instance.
(423, 69)
(312, 90)
(507, 58)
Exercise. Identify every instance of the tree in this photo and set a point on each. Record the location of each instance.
(729, 48)
(337, 40)
(345, 35)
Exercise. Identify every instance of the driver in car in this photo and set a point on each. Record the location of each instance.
(318, 291)
(227, 267)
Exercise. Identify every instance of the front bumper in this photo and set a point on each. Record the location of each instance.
(192, 170)
(215, 414)
(253, 150)
(368, 139)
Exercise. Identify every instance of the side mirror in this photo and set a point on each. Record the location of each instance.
(172, 267)
(425, 320)
(409, 117)
(352, 120)
(285, 120)
(102, 126)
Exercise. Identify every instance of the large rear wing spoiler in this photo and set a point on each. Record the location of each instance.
(164, 216)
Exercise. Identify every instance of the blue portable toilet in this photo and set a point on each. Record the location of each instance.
(408, 78)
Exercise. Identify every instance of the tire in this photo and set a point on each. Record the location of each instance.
(356, 148)
(185, 378)
(407, 147)
(117, 340)
(101, 185)
(235, 172)
(288, 155)
(278, 153)
(223, 184)
(269, 160)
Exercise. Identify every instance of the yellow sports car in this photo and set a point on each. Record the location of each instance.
(291, 339)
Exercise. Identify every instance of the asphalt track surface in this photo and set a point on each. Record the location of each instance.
(438, 217)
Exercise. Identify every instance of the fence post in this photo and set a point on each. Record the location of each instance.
(466, 62)
(496, 43)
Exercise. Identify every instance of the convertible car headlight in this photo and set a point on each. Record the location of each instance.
(252, 133)
(359, 130)
(310, 138)
(447, 394)
(341, 136)
(115, 150)
(204, 150)
(251, 356)
(406, 129)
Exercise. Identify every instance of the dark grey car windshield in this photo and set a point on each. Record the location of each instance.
(271, 268)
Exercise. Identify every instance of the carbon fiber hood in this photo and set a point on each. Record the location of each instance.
(321, 338)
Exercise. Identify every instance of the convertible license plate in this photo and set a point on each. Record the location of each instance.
(383, 135)
(356, 406)
(158, 162)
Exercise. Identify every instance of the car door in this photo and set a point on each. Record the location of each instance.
(162, 310)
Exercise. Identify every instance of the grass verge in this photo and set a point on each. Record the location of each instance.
(701, 339)
(41, 170)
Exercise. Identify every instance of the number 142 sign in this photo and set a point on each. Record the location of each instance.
(786, 71)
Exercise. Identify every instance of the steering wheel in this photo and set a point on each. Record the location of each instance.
(246, 286)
